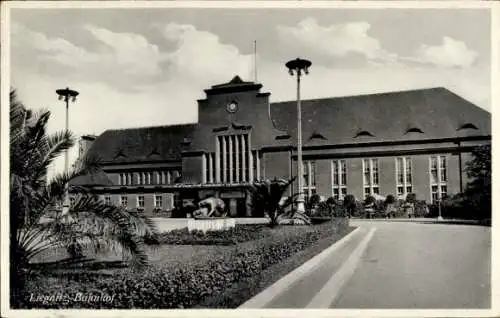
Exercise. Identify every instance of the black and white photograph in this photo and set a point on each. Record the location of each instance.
(251, 157)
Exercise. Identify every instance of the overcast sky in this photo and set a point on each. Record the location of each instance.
(146, 67)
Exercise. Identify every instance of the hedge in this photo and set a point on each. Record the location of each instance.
(186, 286)
(240, 233)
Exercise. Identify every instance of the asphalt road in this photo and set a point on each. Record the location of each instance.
(406, 265)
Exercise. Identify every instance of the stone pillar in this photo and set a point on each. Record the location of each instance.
(224, 158)
(243, 163)
(258, 164)
(210, 169)
(217, 160)
(230, 140)
(237, 153)
(250, 166)
(204, 168)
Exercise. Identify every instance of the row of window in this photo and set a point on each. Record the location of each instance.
(148, 177)
(437, 169)
(160, 201)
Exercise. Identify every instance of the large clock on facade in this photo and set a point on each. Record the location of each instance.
(232, 107)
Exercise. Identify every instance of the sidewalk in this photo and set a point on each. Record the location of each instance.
(316, 283)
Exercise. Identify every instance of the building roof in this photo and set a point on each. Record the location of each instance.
(433, 113)
(160, 143)
(97, 179)
(234, 85)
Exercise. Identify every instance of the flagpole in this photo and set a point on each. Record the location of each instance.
(255, 60)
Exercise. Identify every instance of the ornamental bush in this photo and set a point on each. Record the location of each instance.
(186, 286)
(240, 233)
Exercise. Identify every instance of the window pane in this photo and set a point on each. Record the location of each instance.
(443, 169)
(313, 173)
(409, 190)
(433, 176)
(375, 190)
(444, 191)
(400, 191)
(335, 172)
(343, 180)
(375, 171)
(408, 170)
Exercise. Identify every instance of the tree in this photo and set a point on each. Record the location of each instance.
(349, 204)
(478, 190)
(35, 226)
(390, 209)
(268, 194)
(411, 198)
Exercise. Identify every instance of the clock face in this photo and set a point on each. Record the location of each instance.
(232, 107)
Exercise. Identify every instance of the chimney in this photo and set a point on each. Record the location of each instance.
(85, 143)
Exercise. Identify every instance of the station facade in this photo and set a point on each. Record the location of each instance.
(389, 143)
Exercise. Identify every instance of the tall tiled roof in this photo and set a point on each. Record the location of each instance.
(161, 143)
(96, 179)
(433, 113)
(395, 116)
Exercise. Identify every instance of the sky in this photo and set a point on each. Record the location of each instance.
(147, 67)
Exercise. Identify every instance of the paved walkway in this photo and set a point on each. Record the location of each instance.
(399, 265)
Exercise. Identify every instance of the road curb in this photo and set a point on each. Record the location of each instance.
(270, 293)
(330, 291)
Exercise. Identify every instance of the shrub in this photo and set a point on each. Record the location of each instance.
(188, 285)
(240, 233)
(350, 205)
(268, 194)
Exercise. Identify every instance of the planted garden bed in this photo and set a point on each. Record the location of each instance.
(240, 233)
(189, 283)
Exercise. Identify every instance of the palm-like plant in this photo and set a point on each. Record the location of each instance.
(35, 227)
(269, 197)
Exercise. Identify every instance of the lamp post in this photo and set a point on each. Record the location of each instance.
(440, 218)
(296, 67)
(66, 94)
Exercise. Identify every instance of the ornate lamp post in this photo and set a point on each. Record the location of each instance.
(66, 94)
(296, 67)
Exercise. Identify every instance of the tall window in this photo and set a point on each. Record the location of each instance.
(125, 178)
(165, 177)
(158, 201)
(169, 201)
(140, 201)
(370, 176)
(209, 167)
(233, 159)
(403, 176)
(309, 178)
(124, 201)
(438, 177)
(339, 179)
(107, 199)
